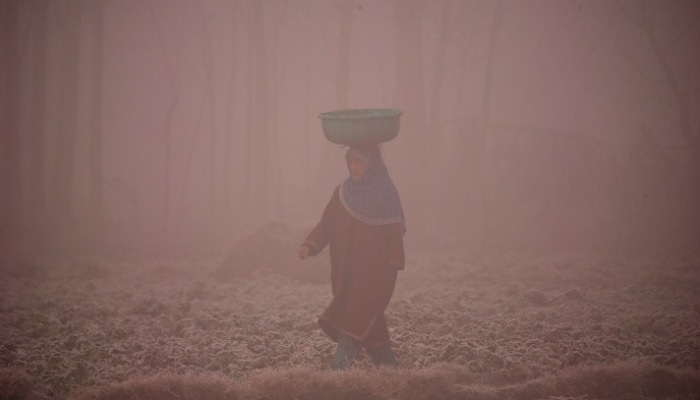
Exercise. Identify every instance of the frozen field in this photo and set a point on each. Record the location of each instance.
(559, 328)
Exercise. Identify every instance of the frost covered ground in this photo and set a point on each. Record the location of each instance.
(503, 327)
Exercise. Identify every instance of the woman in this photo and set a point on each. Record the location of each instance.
(363, 225)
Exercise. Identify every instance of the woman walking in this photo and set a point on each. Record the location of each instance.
(363, 225)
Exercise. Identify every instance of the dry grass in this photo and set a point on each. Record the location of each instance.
(626, 380)
(15, 384)
(442, 381)
(160, 387)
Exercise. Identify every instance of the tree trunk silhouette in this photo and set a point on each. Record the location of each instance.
(230, 123)
(484, 131)
(96, 162)
(167, 129)
(461, 166)
(487, 92)
(277, 202)
(346, 11)
(247, 147)
(10, 178)
(66, 129)
(409, 96)
(261, 112)
(444, 31)
(37, 140)
(682, 96)
(209, 97)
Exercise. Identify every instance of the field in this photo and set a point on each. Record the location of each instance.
(207, 327)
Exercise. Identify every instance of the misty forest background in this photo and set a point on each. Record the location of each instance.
(528, 126)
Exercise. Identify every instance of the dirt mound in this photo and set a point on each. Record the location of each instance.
(271, 250)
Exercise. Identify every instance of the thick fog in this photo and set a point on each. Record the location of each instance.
(538, 126)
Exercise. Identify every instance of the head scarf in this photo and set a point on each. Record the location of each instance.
(373, 199)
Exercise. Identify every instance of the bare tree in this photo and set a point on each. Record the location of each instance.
(229, 129)
(37, 136)
(346, 12)
(10, 175)
(247, 198)
(345, 9)
(260, 134)
(66, 129)
(671, 30)
(257, 169)
(173, 98)
(443, 39)
(205, 121)
(484, 183)
(277, 70)
(410, 96)
(496, 25)
(410, 74)
(208, 59)
(95, 138)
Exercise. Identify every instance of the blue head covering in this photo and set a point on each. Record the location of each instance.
(373, 199)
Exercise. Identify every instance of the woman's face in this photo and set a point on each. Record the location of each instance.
(356, 167)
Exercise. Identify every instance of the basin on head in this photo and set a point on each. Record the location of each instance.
(360, 126)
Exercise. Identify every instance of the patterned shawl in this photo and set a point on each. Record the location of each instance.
(373, 199)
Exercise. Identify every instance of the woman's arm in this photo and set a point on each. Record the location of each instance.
(397, 258)
(319, 237)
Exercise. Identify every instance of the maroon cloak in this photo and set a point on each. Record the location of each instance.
(365, 260)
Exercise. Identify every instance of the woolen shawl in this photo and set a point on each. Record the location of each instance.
(373, 199)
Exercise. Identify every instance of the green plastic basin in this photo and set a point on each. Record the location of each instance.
(360, 126)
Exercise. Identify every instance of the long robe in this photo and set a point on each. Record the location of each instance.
(365, 260)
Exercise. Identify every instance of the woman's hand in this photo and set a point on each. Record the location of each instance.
(303, 252)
